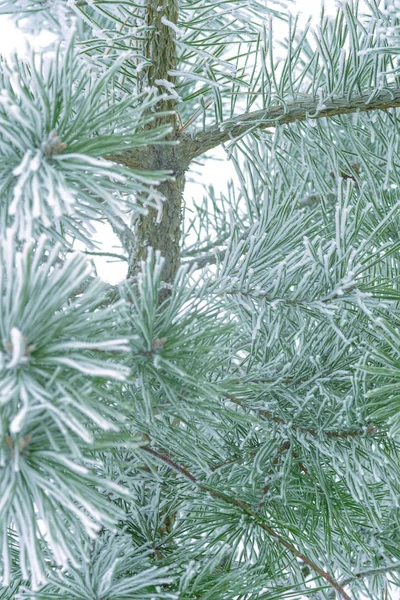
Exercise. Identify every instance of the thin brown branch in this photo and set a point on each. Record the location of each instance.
(231, 461)
(259, 519)
(164, 458)
(111, 291)
(345, 434)
(297, 110)
(284, 446)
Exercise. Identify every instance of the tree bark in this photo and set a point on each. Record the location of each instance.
(160, 229)
(194, 145)
(296, 110)
(160, 233)
(160, 49)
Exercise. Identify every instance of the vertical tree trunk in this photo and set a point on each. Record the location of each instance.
(161, 233)
(160, 49)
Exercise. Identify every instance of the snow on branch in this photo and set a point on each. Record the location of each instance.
(246, 508)
(298, 110)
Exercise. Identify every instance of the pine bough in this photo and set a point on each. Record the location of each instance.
(229, 430)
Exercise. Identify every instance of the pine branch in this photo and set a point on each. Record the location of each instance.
(259, 519)
(206, 259)
(284, 446)
(98, 253)
(192, 251)
(111, 292)
(368, 573)
(164, 458)
(349, 433)
(211, 257)
(306, 302)
(371, 572)
(298, 110)
(125, 236)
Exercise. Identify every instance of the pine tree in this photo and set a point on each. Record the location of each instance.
(225, 423)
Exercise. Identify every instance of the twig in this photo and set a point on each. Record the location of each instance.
(123, 233)
(368, 573)
(206, 259)
(111, 292)
(93, 253)
(259, 519)
(211, 257)
(349, 433)
(197, 113)
(162, 456)
(206, 248)
(298, 110)
(371, 572)
(297, 302)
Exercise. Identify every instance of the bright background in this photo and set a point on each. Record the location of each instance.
(12, 40)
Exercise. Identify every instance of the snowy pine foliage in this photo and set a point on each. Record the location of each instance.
(232, 432)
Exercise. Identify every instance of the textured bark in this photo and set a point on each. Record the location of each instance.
(193, 145)
(160, 49)
(298, 110)
(161, 234)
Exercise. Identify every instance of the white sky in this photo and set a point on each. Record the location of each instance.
(11, 39)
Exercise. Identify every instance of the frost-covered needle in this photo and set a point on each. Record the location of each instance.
(205, 104)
